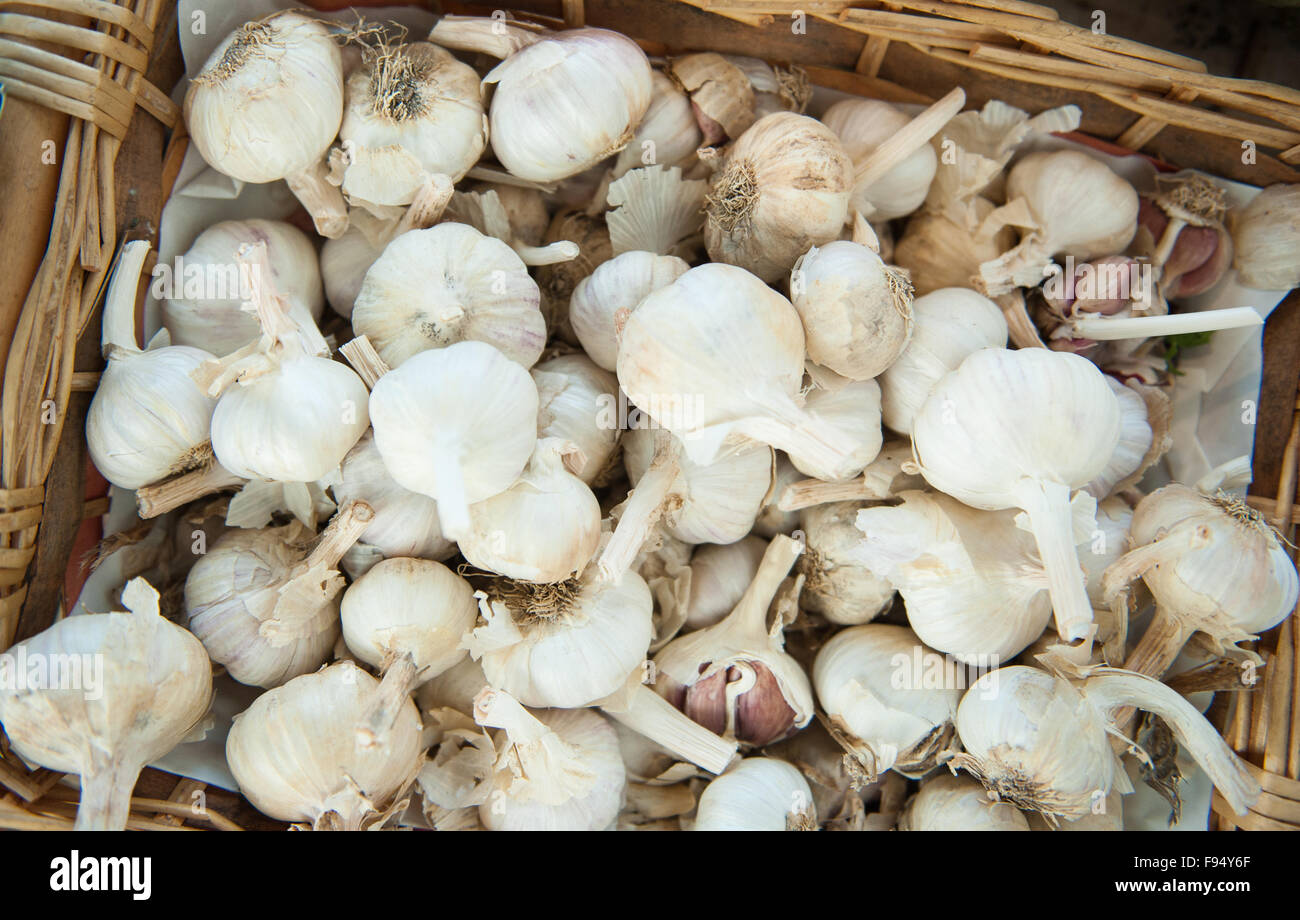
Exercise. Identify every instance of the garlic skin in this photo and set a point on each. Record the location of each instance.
(771, 519)
(853, 407)
(1266, 237)
(957, 803)
(862, 126)
(872, 682)
(757, 794)
(720, 573)
(409, 606)
(154, 687)
(344, 262)
(668, 134)
(940, 252)
(410, 111)
(837, 585)
(432, 288)
(950, 324)
(295, 755)
(783, 189)
(1105, 546)
(856, 310)
(544, 528)
(614, 290)
(1135, 438)
(218, 324)
(572, 392)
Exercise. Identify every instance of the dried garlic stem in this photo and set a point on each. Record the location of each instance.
(791, 429)
(337, 538)
(365, 360)
(323, 200)
(106, 798)
(486, 35)
(650, 715)
(778, 558)
(429, 203)
(1048, 507)
(453, 506)
(1154, 654)
(907, 141)
(809, 492)
(644, 507)
(395, 688)
(118, 332)
(161, 497)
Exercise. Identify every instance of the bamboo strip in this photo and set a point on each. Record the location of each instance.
(872, 56)
(1290, 156)
(1280, 679)
(1041, 62)
(58, 33)
(863, 85)
(1293, 747)
(1141, 132)
(924, 40)
(574, 14)
(922, 25)
(101, 10)
(116, 106)
(1203, 120)
(20, 89)
(1024, 75)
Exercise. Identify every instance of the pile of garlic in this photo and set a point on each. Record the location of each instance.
(663, 485)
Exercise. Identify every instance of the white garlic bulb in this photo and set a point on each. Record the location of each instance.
(856, 310)
(432, 288)
(1266, 237)
(668, 134)
(543, 528)
(958, 803)
(410, 111)
(877, 685)
(862, 126)
(457, 424)
(267, 104)
(139, 686)
(573, 398)
(1135, 437)
(603, 300)
(757, 794)
(148, 418)
(783, 188)
(940, 252)
(1105, 545)
(853, 407)
(720, 575)
(838, 585)
(296, 756)
(949, 325)
(210, 316)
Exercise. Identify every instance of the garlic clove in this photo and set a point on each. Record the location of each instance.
(852, 406)
(667, 134)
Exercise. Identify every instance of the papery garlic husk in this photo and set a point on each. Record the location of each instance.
(972, 581)
(212, 317)
(776, 89)
(1043, 743)
(558, 282)
(457, 424)
(939, 252)
(124, 689)
(525, 210)
(668, 134)
(650, 763)
(410, 111)
(574, 402)
(296, 756)
(603, 300)
(856, 310)
(410, 607)
(555, 769)
(862, 126)
(852, 406)
(1105, 545)
(757, 794)
(721, 95)
(267, 104)
(1024, 429)
(405, 522)
(734, 677)
(1266, 237)
(783, 189)
(890, 700)
(950, 324)
(148, 418)
(720, 574)
(956, 803)
(1067, 202)
(432, 288)
(838, 586)
(544, 528)
(771, 519)
(841, 794)
(455, 688)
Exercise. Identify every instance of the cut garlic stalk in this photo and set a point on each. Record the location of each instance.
(1108, 328)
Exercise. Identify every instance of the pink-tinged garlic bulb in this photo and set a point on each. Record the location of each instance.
(1181, 228)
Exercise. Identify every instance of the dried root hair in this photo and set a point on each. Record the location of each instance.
(731, 201)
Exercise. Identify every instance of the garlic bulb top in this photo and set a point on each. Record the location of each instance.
(1266, 237)
(862, 126)
(457, 424)
(957, 803)
(783, 189)
(151, 686)
(1024, 429)
(410, 111)
(432, 288)
(757, 794)
(296, 756)
(668, 134)
(574, 397)
(838, 585)
(217, 323)
(603, 300)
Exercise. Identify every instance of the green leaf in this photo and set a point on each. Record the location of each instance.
(1176, 344)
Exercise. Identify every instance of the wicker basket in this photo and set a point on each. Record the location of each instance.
(80, 70)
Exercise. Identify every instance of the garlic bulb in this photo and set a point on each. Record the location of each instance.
(432, 288)
(949, 325)
(139, 686)
(1135, 438)
(783, 189)
(776, 89)
(603, 300)
(573, 396)
(1024, 429)
(544, 528)
(668, 134)
(457, 424)
(296, 756)
(720, 574)
(1107, 815)
(1266, 236)
(267, 104)
(1105, 546)
(1181, 232)
(266, 608)
(1068, 202)
(557, 770)
(972, 580)
(734, 677)
(455, 688)
(217, 323)
(856, 310)
(940, 252)
(1042, 743)
(757, 794)
(148, 419)
(838, 585)
(852, 406)
(887, 705)
(957, 803)
(862, 126)
(409, 111)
